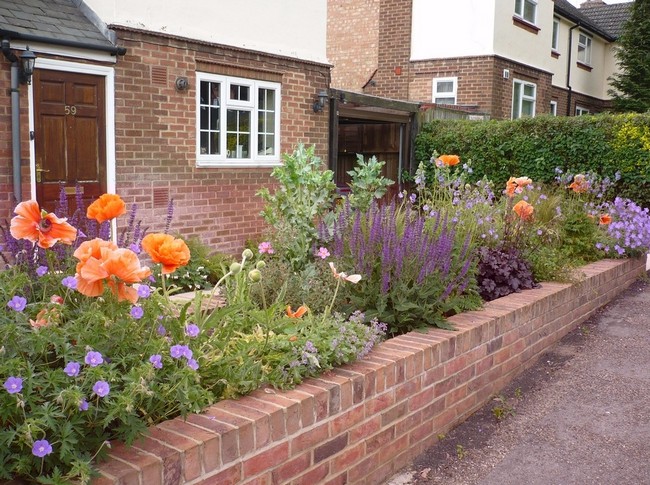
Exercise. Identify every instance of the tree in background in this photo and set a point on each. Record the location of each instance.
(631, 87)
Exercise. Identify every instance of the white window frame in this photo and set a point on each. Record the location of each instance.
(581, 111)
(555, 36)
(584, 48)
(520, 10)
(453, 94)
(553, 108)
(255, 159)
(523, 97)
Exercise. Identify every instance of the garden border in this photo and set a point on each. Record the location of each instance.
(362, 422)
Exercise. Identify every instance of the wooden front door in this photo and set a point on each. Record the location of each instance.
(70, 137)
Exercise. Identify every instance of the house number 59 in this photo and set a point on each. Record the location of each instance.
(70, 110)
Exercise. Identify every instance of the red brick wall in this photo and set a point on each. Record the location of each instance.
(352, 42)
(561, 95)
(392, 78)
(156, 137)
(363, 422)
(155, 128)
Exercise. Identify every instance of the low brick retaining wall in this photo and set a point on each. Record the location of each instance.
(362, 422)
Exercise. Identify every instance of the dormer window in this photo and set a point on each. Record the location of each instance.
(527, 10)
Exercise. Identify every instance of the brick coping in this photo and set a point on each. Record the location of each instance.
(362, 422)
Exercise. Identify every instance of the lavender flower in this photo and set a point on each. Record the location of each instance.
(13, 385)
(101, 388)
(156, 360)
(17, 303)
(137, 312)
(93, 359)
(72, 369)
(41, 448)
(69, 282)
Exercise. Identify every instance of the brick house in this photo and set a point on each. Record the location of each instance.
(129, 97)
(504, 58)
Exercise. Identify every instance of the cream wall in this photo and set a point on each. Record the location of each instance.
(293, 28)
(518, 44)
(452, 28)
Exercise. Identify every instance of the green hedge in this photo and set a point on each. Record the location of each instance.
(534, 147)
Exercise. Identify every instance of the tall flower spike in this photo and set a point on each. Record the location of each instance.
(40, 227)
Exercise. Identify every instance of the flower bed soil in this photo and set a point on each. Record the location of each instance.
(362, 422)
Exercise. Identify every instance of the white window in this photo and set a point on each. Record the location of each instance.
(527, 10)
(555, 41)
(584, 48)
(238, 121)
(524, 95)
(444, 90)
(580, 111)
(553, 108)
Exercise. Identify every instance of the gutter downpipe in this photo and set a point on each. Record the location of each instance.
(568, 70)
(15, 119)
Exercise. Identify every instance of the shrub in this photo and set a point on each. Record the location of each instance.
(367, 182)
(502, 271)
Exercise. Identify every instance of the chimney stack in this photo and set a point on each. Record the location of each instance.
(592, 3)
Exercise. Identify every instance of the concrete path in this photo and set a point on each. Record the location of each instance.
(580, 416)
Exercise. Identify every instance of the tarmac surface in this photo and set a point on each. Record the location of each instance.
(579, 416)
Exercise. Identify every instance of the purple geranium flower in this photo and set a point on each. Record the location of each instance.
(69, 282)
(156, 360)
(177, 351)
(137, 312)
(192, 364)
(83, 405)
(72, 369)
(41, 270)
(161, 330)
(13, 385)
(17, 303)
(93, 359)
(41, 448)
(144, 291)
(192, 330)
(101, 388)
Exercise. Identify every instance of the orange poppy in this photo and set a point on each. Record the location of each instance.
(605, 219)
(302, 309)
(40, 227)
(516, 185)
(41, 319)
(166, 250)
(102, 262)
(511, 186)
(107, 207)
(449, 160)
(579, 184)
(523, 181)
(524, 210)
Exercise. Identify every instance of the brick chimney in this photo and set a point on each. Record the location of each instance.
(592, 3)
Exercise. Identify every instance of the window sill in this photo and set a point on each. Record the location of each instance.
(525, 24)
(584, 66)
(555, 54)
(238, 163)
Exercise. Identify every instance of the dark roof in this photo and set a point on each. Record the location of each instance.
(59, 22)
(612, 18)
(568, 11)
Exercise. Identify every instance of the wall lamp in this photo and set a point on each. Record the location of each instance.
(319, 104)
(27, 61)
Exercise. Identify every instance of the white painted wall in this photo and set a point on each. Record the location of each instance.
(452, 28)
(294, 28)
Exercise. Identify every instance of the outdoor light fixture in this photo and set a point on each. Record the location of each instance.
(319, 104)
(27, 61)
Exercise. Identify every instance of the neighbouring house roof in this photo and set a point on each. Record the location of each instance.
(568, 11)
(62, 22)
(612, 18)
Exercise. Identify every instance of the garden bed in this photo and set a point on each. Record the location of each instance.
(362, 422)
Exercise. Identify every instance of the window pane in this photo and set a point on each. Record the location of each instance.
(516, 99)
(518, 6)
(239, 92)
(527, 108)
(205, 136)
(266, 144)
(445, 101)
(205, 118)
(582, 53)
(529, 90)
(214, 119)
(214, 144)
(445, 87)
(237, 138)
(529, 11)
(556, 33)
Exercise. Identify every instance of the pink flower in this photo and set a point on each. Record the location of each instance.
(353, 278)
(265, 247)
(323, 253)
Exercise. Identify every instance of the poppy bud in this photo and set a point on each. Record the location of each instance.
(260, 265)
(247, 254)
(255, 276)
(235, 268)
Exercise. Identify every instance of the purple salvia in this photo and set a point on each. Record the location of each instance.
(62, 208)
(124, 239)
(105, 230)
